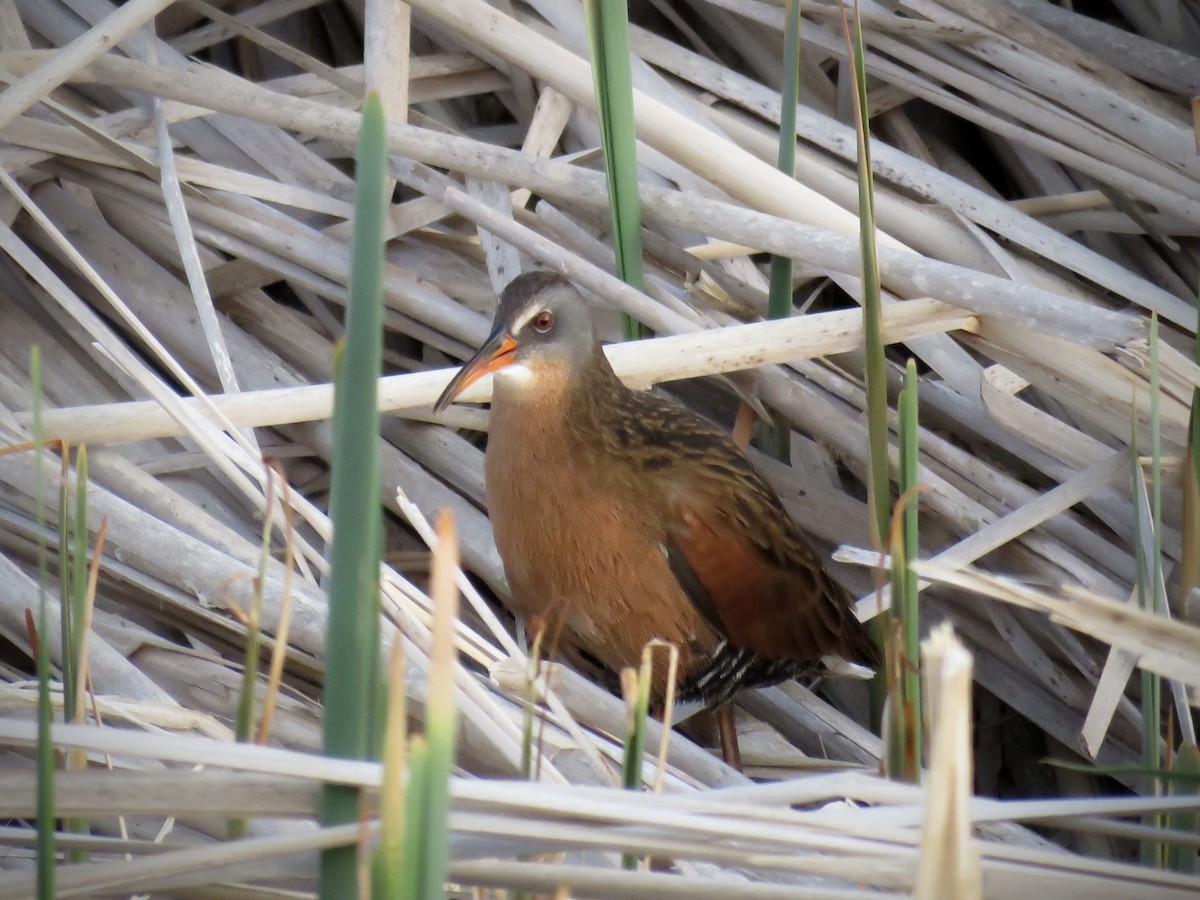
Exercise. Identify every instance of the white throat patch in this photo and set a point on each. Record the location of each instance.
(518, 374)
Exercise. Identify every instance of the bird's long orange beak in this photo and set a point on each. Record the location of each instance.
(496, 353)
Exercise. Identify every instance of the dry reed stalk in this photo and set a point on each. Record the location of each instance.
(949, 860)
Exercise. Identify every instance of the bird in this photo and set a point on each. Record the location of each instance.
(633, 518)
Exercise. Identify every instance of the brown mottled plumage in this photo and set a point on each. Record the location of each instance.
(637, 519)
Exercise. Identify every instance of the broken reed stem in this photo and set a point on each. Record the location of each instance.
(948, 864)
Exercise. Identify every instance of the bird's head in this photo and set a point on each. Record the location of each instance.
(541, 320)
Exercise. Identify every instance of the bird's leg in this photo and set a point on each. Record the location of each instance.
(727, 729)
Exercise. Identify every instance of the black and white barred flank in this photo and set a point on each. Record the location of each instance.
(733, 669)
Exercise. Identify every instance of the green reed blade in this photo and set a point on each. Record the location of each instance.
(878, 503)
(636, 688)
(908, 722)
(388, 877)
(878, 484)
(352, 678)
(608, 38)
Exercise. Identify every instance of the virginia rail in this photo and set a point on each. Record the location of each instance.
(635, 518)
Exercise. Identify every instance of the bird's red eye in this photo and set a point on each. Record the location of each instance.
(543, 321)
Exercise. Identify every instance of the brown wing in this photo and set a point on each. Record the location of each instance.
(732, 546)
(797, 612)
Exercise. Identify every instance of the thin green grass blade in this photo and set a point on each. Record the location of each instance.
(416, 802)
(79, 579)
(528, 714)
(906, 731)
(73, 699)
(608, 39)
(636, 684)
(46, 837)
(1179, 858)
(912, 549)
(1175, 776)
(244, 724)
(531, 721)
(878, 484)
(352, 679)
(636, 688)
(66, 596)
(777, 439)
(892, 719)
(878, 505)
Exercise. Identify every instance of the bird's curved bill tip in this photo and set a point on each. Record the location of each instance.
(496, 353)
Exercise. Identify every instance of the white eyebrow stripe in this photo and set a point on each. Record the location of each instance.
(526, 314)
